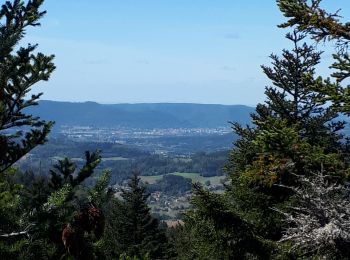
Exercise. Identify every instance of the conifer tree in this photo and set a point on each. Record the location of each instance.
(293, 134)
(61, 217)
(35, 216)
(20, 69)
(294, 98)
(214, 230)
(10, 212)
(320, 223)
(131, 229)
(322, 26)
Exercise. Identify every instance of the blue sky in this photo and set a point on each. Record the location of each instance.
(132, 51)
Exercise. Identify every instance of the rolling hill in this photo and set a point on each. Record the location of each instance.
(146, 116)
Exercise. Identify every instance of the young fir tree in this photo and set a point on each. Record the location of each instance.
(130, 228)
(20, 69)
(56, 221)
(32, 219)
(214, 230)
(294, 98)
(322, 214)
(292, 135)
(321, 26)
(293, 123)
(64, 200)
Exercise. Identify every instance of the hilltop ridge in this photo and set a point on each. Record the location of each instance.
(142, 115)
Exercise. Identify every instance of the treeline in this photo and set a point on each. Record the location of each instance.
(63, 147)
(171, 185)
(287, 195)
(122, 160)
(207, 164)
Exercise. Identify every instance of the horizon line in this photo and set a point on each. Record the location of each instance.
(145, 103)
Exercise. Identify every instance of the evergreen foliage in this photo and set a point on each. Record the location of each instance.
(46, 211)
(131, 229)
(294, 96)
(9, 215)
(294, 134)
(20, 69)
(216, 231)
(319, 224)
(172, 185)
(322, 26)
(33, 217)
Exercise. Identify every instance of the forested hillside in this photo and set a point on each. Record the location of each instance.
(142, 115)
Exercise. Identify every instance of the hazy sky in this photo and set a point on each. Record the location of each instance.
(130, 51)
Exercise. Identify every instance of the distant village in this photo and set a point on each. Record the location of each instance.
(120, 134)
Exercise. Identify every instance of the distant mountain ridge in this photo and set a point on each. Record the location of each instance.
(142, 115)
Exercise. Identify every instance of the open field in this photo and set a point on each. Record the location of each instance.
(114, 159)
(104, 159)
(195, 177)
(151, 179)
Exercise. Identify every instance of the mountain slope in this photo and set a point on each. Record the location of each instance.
(157, 115)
